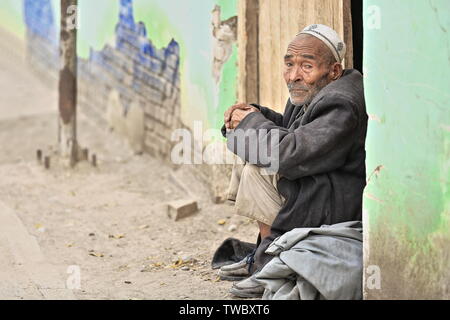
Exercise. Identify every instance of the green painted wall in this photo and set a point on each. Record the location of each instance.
(407, 200)
(11, 17)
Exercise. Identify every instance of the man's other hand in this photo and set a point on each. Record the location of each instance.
(234, 115)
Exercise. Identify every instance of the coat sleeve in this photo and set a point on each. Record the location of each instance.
(271, 115)
(319, 146)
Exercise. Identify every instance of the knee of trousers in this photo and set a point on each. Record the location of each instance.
(251, 171)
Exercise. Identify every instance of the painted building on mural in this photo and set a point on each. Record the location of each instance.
(144, 82)
(131, 74)
(134, 74)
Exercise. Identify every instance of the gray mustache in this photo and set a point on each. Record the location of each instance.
(295, 86)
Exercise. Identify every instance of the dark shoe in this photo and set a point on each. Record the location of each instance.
(235, 272)
(248, 288)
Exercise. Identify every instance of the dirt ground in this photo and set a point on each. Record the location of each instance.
(110, 221)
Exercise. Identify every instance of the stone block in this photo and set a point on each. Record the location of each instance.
(181, 208)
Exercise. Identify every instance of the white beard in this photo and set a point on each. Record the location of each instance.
(290, 100)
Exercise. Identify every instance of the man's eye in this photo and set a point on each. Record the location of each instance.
(288, 64)
(307, 66)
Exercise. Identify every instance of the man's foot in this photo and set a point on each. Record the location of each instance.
(235, 272)
(248, 288)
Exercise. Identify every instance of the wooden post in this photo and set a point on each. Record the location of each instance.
(39, 155)
(248, 75)
(67, 129)
(348, 33)
(47, 162)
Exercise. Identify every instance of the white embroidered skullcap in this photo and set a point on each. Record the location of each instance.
(329, 37)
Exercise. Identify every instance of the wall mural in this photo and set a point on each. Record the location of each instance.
(136, 86)
(139, 83)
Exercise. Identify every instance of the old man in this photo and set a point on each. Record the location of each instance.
(320, 155)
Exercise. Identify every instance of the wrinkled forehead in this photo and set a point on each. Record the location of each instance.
(305, 43)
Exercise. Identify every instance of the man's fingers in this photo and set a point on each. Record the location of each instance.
(229, 112)
(236, 118)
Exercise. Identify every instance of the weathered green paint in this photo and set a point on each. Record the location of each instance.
(407, 68)
(11, 17)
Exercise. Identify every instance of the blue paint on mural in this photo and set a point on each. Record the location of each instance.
(126, 14)
(39, 19)
(131, 39)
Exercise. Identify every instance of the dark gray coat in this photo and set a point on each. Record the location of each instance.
(321, 157)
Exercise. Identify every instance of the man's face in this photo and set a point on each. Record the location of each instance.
(307, 68)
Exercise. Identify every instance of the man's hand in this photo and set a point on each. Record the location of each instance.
(234, 115)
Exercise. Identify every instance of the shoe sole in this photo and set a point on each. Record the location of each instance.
(233, 278)
(233, 269)
(241, 294)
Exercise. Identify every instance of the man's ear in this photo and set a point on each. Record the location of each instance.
(336, 71)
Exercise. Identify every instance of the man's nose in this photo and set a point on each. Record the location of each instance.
(295, 74)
